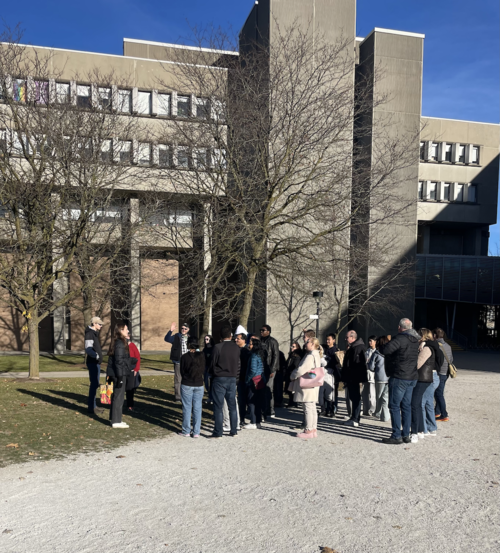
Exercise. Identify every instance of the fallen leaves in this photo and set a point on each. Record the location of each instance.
(328, 550)
(6, 531)
(398, 527)
(31, 453)
(24, 404)
(120, 456)
(12, 445)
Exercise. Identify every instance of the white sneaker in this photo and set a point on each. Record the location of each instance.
(421, 435)
(414, 438)
(432, 433)
(272, 416)
(120, 425)
(350, 422)
(250, 426)
(226, 428)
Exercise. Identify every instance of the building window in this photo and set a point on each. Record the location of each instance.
(19, 90)
(218, 110)
(109, 214)
(163, 104)
(124, 151)
(41, 92)
(461, 153)
(180, 218)
(144, 154)
(446, 191)
(183, 106)
(183, 157)
(459, 192)
(420, 190)
(219, 159)
(431, 191)
(434, 151)
(104, 98)
(474, 158)
(62, 93)
(3, 143)
(106, 153)
(144, 103)
(201, 158)
(472, 197)
(422, 150)
(124, 101)
(83, 96)
(447, 152)
(202, 108)
(164, 156)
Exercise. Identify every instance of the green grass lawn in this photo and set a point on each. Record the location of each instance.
(63, 363)
(48, 419)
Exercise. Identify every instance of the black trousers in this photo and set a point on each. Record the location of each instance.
(278, 389)
(355, 398)
(116, 411)
(269, 397)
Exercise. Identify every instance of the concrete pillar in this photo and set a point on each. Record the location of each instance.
(207, 255)
(59, 289)
(135, 280)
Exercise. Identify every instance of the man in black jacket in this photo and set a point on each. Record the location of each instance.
(401, 355)
(273, 361)
(179, 343)
(354, 373)
(225, 369)
(241, 341)
(93, 359)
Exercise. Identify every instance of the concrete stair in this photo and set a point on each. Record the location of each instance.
(454, 346)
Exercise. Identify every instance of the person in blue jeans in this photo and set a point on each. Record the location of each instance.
(401, 356)
(93, 352)
(430, 426)
(192, 369)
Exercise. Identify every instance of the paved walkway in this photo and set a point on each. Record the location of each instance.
(267, 491)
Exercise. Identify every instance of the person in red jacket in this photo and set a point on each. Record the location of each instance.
(134, 379)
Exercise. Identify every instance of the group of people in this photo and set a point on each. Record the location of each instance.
(400, 378)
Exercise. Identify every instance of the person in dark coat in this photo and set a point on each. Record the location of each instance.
(179, 343)
(240, 340)
(93, 358)
(292, 363)
(192, 367)
(209, 344)
(354, 373)
(255, 380)
(273, 361)
(120, 365)
(333, 364)
(401, 356)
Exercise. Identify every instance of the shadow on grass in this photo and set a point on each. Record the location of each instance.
(60, 402)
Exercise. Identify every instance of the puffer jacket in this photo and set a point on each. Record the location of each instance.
(120, 365)
(401, 355)
(354, 370)
(376, 365)
(426, 363)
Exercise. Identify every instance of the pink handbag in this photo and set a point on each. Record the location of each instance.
(310, 381)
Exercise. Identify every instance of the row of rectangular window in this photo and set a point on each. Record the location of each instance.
(450, 152)
(447, 192)
(126, 151)
(135, 101)
(177, 218)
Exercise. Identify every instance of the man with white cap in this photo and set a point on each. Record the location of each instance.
(94, 358)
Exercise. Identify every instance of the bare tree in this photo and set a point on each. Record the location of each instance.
(59, 188)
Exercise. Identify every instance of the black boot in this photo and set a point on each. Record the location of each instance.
(329, 409)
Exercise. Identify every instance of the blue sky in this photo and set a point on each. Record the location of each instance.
(461, 52)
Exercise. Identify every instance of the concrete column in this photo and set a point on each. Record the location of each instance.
(207, 255)
(135, 280)
(59, 289)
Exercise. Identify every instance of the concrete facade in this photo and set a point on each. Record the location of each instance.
(454, 189)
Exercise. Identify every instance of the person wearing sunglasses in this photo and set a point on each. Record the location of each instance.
(272, 348)
(179, 343)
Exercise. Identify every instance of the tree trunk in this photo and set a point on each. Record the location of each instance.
(34, 369)
(207, 314)
(87, 307)
(248, 297)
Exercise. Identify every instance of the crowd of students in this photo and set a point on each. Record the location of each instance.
(245, 376)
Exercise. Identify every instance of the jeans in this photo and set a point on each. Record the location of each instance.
(428, 405)
(255, 400)
(417, 413)
(192, 398)
(94, 375)
(439, 396)
(224, 388)
(116, 411)
(177, 381)
(208, 381)
(382, 407)
(369, 398)
(269, 396)
(355, 398)
(400, 392)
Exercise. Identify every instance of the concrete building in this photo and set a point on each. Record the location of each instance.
(453, 181)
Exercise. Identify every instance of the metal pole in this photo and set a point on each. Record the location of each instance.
(317, 320)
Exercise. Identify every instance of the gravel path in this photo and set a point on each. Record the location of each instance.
(266, 491)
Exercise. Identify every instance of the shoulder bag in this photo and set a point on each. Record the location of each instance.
(452, 370)
(314, 378)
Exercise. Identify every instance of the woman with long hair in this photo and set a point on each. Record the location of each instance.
(308, 396)
(426, 363)
(208, 345)
(292, 363)
(120, 365)
(255, 381)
